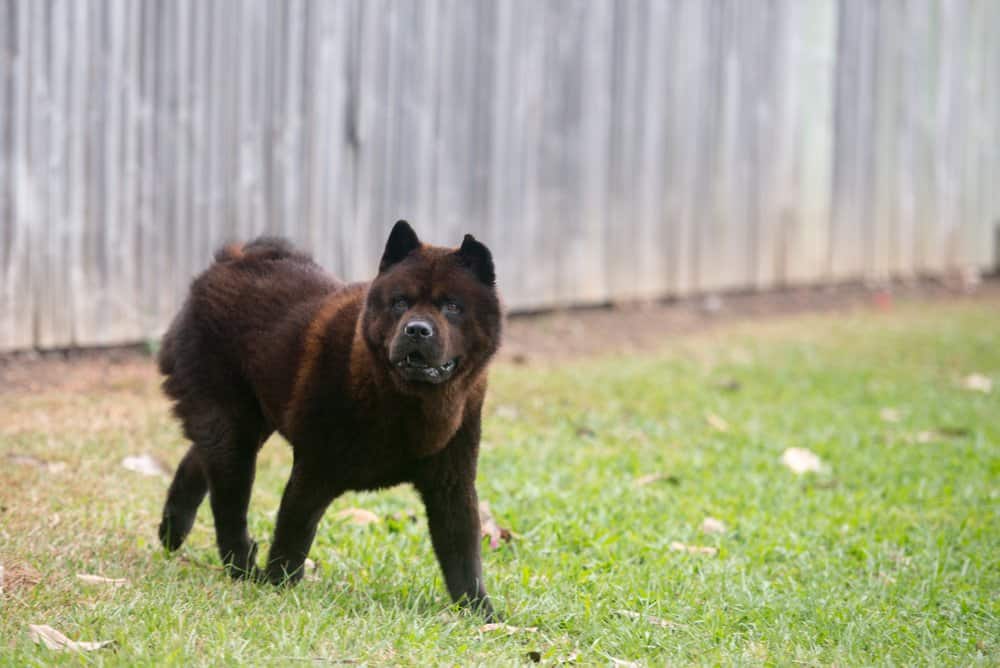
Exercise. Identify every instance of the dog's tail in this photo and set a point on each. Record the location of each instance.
(262, 248)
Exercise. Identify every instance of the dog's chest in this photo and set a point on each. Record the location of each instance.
(407, 434)
(381, 449)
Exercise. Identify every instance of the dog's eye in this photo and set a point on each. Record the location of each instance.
(451, 307)
(400, 304)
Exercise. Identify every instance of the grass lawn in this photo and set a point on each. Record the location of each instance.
(889, 555)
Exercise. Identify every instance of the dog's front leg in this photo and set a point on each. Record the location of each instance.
(447, 484)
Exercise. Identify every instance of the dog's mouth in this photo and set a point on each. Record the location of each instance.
(415, 367)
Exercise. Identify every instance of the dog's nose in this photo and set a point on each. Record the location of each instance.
(419, 329)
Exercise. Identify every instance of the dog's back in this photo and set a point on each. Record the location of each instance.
(249, 292)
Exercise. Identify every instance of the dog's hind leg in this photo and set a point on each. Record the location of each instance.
(222, 460)
(229, 466)
(185, 495)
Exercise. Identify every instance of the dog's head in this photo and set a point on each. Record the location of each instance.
(432, 314)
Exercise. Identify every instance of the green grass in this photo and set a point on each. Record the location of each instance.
(891, 555)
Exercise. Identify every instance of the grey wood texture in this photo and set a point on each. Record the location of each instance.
(605, 150)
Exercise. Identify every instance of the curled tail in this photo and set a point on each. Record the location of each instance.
(262, 248)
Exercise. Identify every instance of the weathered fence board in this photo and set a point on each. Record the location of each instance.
(605, 149)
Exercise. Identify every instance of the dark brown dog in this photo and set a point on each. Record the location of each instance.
(373, 384)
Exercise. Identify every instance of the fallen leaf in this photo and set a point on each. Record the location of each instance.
(729, 385)
(800, 460)
(31, 460)
(48, 636)
(977, 382)
(507, 412)
(145, 464)
(490, 528)
(889, 415)
(519, 358)
(623, 663)
(716, 422)
(941, 434)
(655, 621)
(694, 549)
(14, 576)
(358, 516)
(756, 651)
(712, 525)
(100, 579)
(642, 481)
(499, 626)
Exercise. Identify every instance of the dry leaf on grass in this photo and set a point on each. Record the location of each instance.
(977, 382)
(712, 525)
(506, 412)
(18, 576)
(716, 422)
(310, 571)
(145, 464)
(655, 621)
(677, 546)
(941, 434)
(729, 385)
(31, 460)
(358, 516)
(889, 415)
(642, 481)
(623, 663)
(101, 580)
(507, 628)
(48, 636)
(800, 460)
(490, 528)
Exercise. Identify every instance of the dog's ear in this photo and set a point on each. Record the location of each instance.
(475, 256)
(402, 241)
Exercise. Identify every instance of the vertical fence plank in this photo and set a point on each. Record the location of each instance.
(19, 198)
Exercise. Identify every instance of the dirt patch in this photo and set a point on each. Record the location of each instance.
(87, 370)
(549, 336)
(640, 327)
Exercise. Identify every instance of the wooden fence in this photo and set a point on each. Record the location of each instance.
(605, 150)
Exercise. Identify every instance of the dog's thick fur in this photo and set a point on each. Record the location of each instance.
(373, 384)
